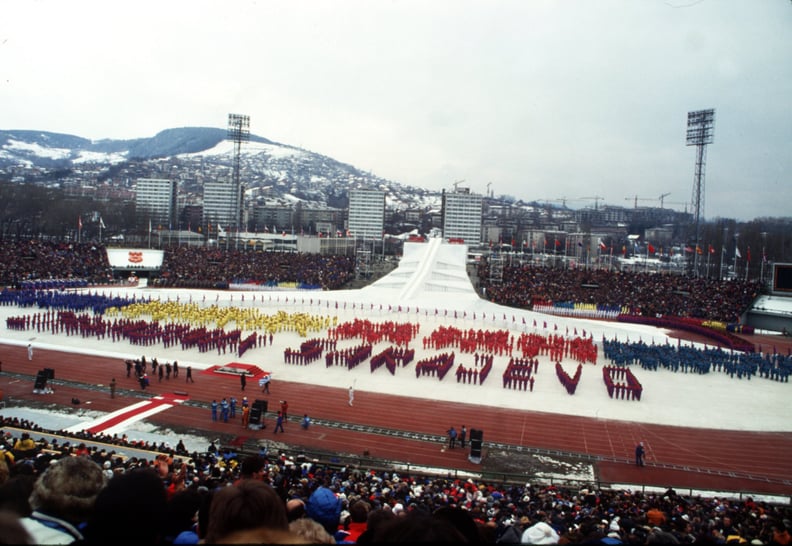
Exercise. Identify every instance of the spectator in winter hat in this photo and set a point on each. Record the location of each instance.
(540, 533)
(324, 507)
(63, 499)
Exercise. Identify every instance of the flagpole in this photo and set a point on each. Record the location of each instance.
(736, 253)
(761, 267)
(708, 261)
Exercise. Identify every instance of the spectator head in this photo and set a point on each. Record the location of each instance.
(311, 531)
(462, 520)
(417, 526)
(68, 489)
(359, 511)
(252, 467)
(295, 509)
(249, 511)
(540, 533)
(11, 529)
(131, 508)
(15, 494)
(324, 507)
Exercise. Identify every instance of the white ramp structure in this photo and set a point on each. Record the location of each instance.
(431, 270)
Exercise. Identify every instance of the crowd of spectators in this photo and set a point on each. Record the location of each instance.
(45, 264)
(71, 492)
(643, 293)
(205, 267)
(522, 285)
(25, 261)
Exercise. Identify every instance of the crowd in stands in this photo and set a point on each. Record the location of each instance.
(643, 293)
(31, 260)
(70, 492)
(205, 267)
(44, 264)
(523, 286)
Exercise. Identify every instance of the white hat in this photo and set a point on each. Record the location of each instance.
(540, 533)
(398, 508)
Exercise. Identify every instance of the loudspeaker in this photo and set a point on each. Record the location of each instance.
(41, 381)
(257, 411)
(476, 440)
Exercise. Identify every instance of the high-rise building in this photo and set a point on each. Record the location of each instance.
(155, 200)
(222, 206)
(366, 213)
(462, 213)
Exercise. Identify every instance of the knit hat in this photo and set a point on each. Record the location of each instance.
(324, 507)
(540, 533)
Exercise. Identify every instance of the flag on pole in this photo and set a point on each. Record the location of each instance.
(602, 245)
(748, 254)
(79, 222)
(650, 248)
(711, 249)
(737, 252)
(101, 223)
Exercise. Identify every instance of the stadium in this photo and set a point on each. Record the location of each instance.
(720, 432)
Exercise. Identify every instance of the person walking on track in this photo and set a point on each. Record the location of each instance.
(639, 454)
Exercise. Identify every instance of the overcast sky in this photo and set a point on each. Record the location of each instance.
(549, 100)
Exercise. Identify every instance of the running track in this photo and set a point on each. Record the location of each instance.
(679, 457)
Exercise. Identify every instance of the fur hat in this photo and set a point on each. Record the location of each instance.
(68, 488)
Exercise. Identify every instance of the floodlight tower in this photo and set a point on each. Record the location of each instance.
(238, 132)
(699, 133)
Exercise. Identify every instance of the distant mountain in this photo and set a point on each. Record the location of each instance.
(270, 170)
(44, 149)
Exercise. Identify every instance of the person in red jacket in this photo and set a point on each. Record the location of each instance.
(357, 521)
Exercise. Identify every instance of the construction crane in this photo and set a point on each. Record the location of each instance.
(676, 203)
(596, 199)
(562, 200)
(488, 189)
(635, 199)
(457, 183)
